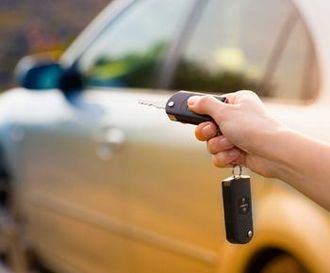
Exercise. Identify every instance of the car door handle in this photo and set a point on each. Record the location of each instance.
(112, 141)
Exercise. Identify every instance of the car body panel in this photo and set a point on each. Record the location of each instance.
(138, 219)
(107, 185)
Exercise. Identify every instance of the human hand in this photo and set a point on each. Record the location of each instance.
(244, 123)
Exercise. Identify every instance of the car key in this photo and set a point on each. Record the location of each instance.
(236, 191)
(237, 204)
(177, 108)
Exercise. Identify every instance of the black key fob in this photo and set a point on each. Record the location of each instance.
(177, 108)
(237, 204)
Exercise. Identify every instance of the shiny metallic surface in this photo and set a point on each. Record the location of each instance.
(105, 185)
(151, 103)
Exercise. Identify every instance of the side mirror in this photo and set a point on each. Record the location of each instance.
(38, 72)
(41, 72)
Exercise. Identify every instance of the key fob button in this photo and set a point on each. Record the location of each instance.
(243, 205)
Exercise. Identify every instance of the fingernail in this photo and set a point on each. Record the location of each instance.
(192, 100)
(234, 153)
(207, 131)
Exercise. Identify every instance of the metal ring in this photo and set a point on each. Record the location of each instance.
(236, 176)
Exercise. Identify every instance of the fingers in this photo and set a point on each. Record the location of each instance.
(219, 144)
(206, 131)
(231, 118)
(238, 96)
(224, 153)
(208, 105)
(227, 158)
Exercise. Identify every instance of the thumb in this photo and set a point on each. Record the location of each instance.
(207, 105)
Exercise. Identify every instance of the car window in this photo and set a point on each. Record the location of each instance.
(130, 50)
(295, 75)
(246, 44)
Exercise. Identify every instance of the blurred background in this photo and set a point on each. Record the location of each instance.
(91, 197)
(31, 26)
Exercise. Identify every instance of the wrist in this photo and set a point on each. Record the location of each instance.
(266, 138)
(272, 141)
(278, 147)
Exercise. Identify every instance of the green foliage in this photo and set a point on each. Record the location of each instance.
(134, 69)
(192, 76)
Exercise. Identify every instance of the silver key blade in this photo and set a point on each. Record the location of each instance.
(151, 103)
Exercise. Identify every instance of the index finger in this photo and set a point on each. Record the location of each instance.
(206, 130)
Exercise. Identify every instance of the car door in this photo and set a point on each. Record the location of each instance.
(77, 148)
(173, 217)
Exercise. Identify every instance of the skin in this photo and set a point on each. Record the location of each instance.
(252, 138)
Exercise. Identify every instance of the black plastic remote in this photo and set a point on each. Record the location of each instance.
(177, 108)
(237, 206)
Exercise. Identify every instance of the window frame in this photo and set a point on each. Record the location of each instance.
(311, 60)
(169, 54)
(311, 63)
(180, 40)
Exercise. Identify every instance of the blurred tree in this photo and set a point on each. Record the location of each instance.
(31, 26)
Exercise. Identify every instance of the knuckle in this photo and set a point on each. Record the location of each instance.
(249, 93)
(218, 160)
(204, 100)
(213, 145)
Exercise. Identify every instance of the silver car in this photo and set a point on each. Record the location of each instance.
(91, 181)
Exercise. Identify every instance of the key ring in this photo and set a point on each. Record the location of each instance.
(236, 176)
